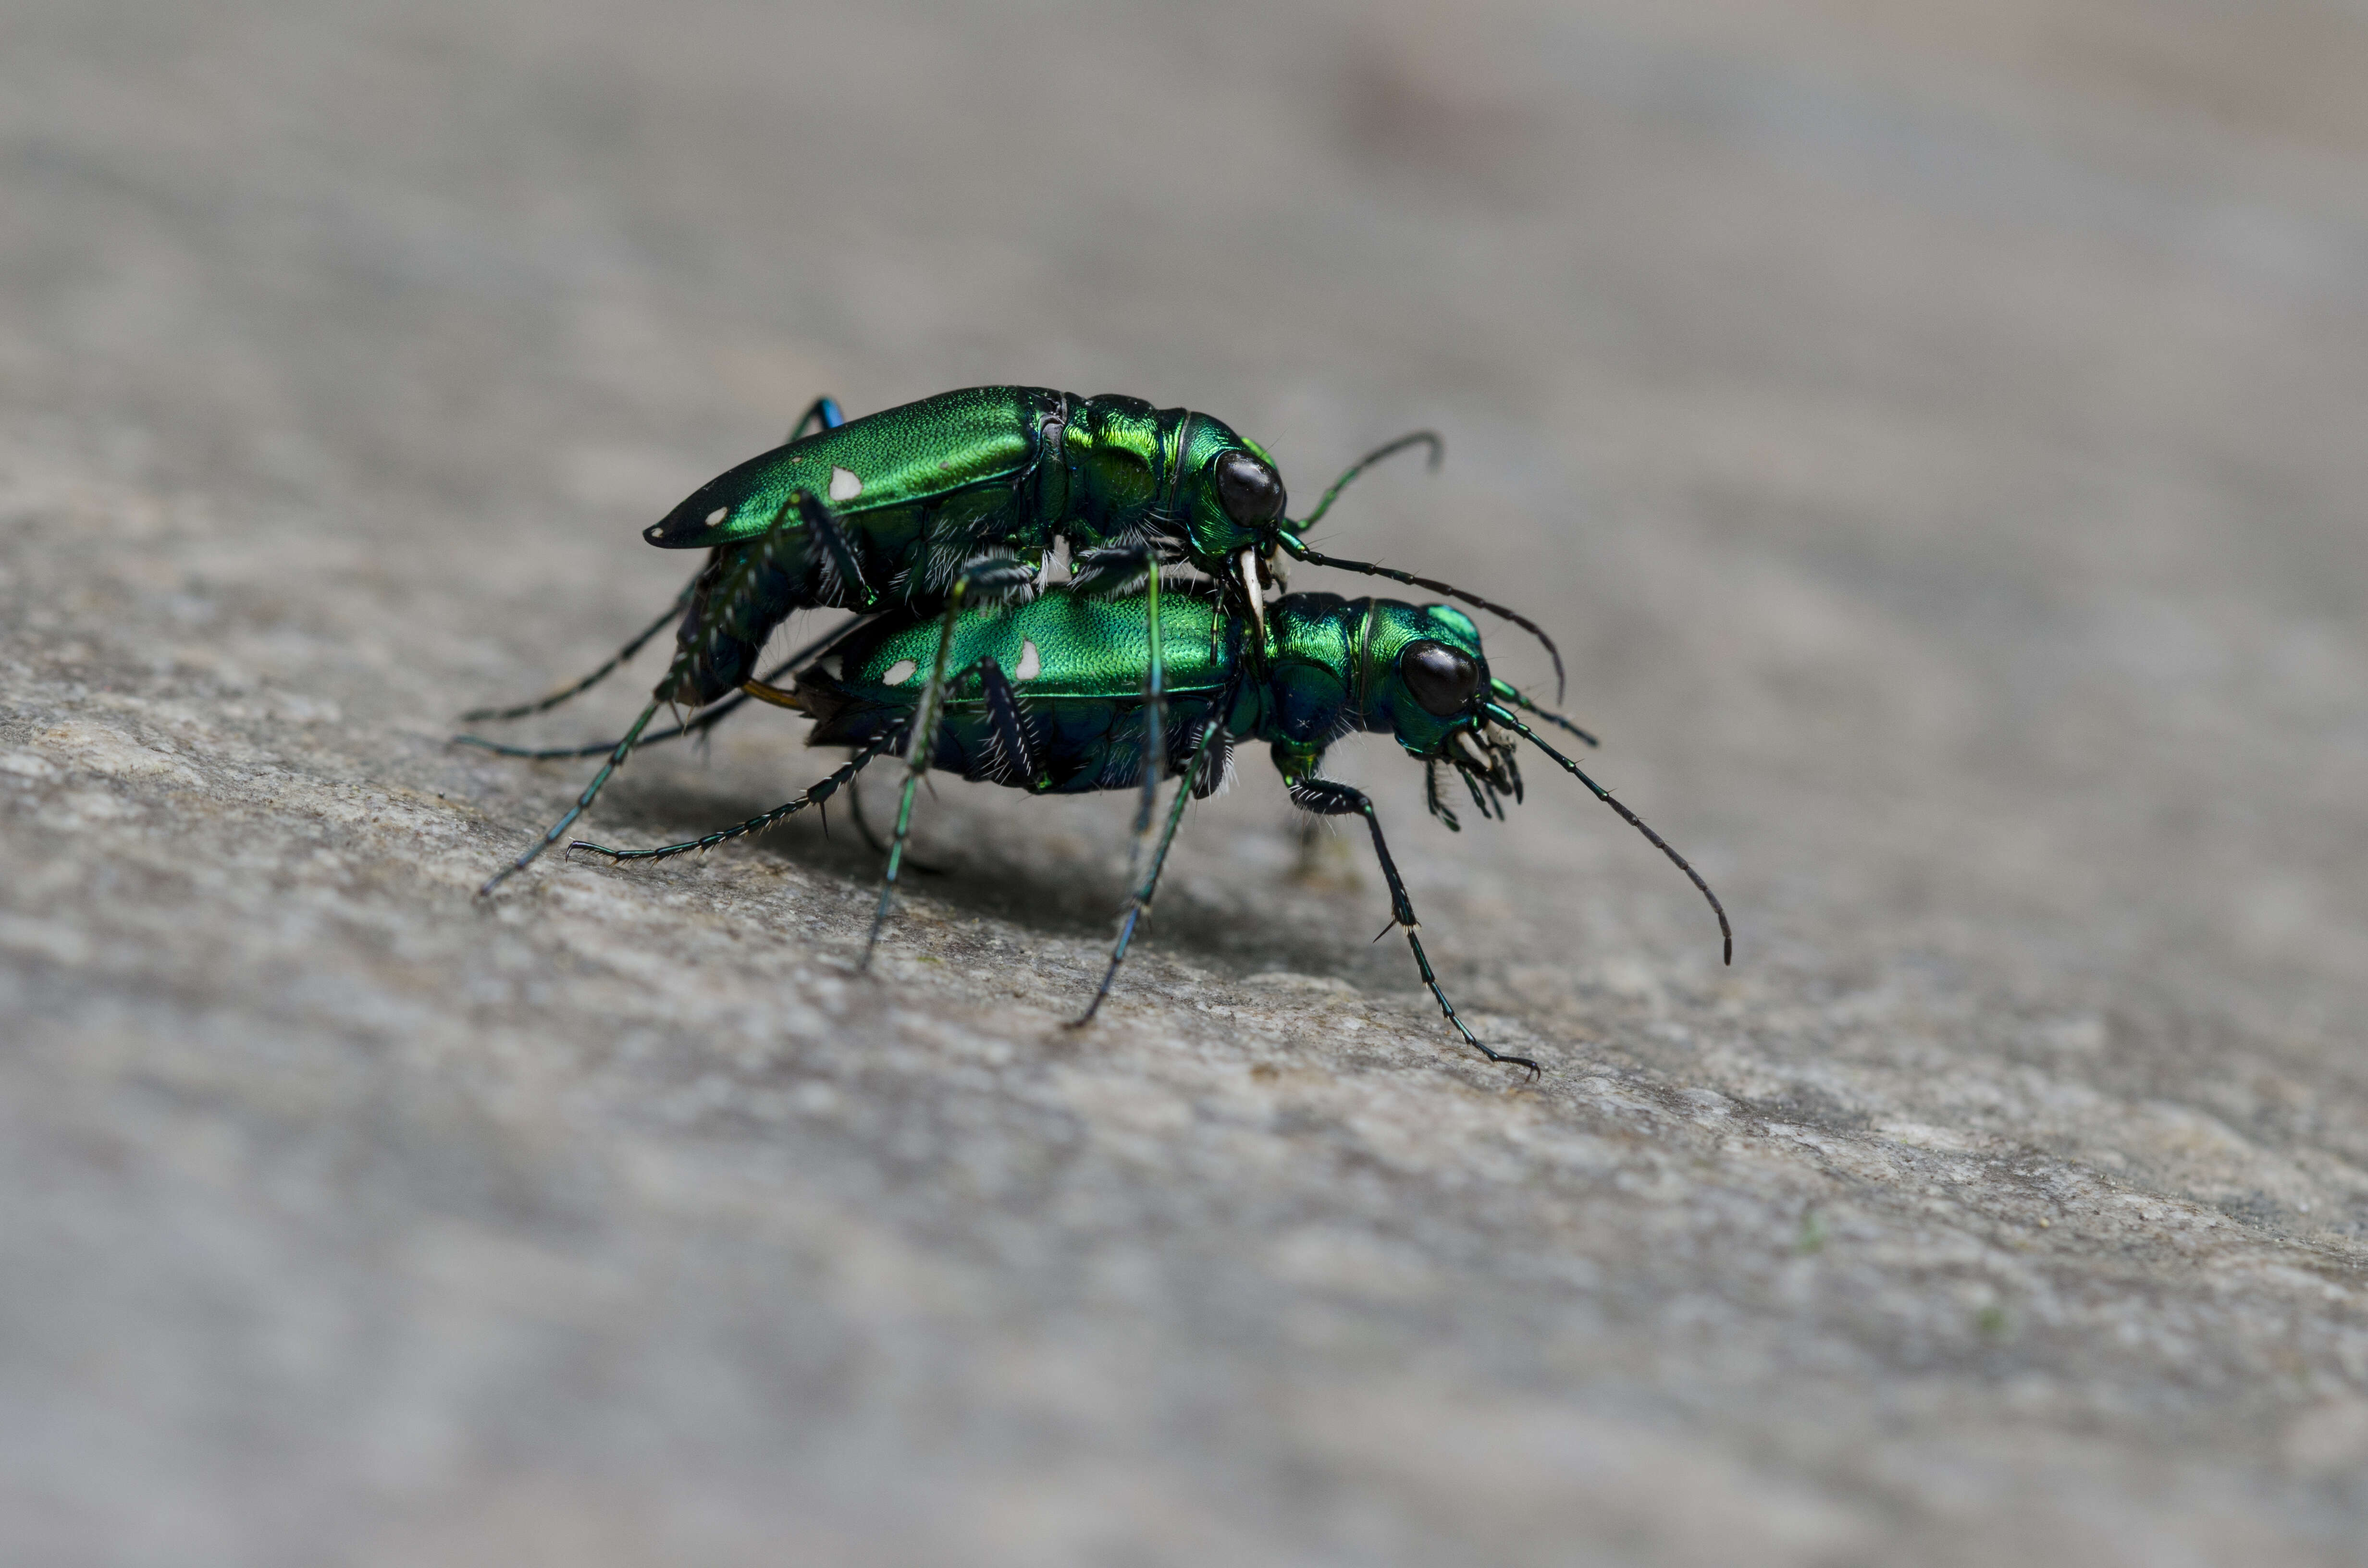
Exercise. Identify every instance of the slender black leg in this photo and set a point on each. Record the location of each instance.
(1140, 905)
(815, 796)
(921, 741)
(544, 704)
(1015, 756)
(871, 840)
(1154, 717)
(824, 525)
(823, 414)
(985, 578)
(1326, 798)
(1109, 571)
(820, 521)
(697, 725)
(583, 802)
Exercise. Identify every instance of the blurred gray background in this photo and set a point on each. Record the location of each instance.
(1934, 432)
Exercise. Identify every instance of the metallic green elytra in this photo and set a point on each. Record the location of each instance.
(1075, 664)
(971, 491)
(1049, 696)
(1028, 464)
(892, 507)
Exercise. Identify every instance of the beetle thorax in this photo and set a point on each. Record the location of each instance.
(1118, 452)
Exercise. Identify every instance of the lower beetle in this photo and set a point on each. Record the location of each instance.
(1048, 696)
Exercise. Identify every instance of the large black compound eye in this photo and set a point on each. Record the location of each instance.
(1250, 490)
(1442, 679)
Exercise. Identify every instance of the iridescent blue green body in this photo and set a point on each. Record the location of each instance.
(1076, 663)
(936, 522)
(887, 510)
(1051, 696)
(961, 499)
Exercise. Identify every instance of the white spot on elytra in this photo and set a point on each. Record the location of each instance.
(718, 515)
(844, 485)
(899, 672)
(1030, 666)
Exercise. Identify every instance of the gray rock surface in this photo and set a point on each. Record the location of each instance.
(1934, 432)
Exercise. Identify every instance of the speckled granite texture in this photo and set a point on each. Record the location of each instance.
(1935, 432)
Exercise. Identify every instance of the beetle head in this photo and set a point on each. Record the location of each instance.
(1422, 677)
(1231, 497)
(1419, 674)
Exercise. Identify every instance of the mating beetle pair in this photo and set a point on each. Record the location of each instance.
(931, 519)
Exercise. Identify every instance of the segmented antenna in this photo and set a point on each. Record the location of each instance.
(1412, 437)
(1505, 716)
(1296, 547)
(1549, 715)
(1314, 558)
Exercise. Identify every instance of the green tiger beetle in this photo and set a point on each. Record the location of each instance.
(1047, 696)
(965, 497)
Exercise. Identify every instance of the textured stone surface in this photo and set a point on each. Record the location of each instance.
(1934, 432)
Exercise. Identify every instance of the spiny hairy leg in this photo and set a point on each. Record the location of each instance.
(1326, 798)
(698, 723)
(815, 795)
(583, 803)
(992, 577)
(615, 661)
(1140, 905)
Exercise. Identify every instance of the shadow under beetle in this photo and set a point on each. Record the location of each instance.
(961, 497)
(1048, 696)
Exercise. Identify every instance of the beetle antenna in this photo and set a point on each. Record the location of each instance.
(1298, 551)
(1505, 716)
(1411, 438)
(1551, 717)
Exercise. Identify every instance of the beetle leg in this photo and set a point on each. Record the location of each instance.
(994, 576)
(1326, 798)
(1015, 753)
(1106, 572)
(1110, 571)
(823, 414)
(815, 796)
(698, 723)
(1154, 717)
(632, 738)
(583, 802)
(920, 742)
(544, 704)
(823, 526)
(681, 675)
(872, 839)
(1140, 905)
(1216, 762)
(998, 579)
